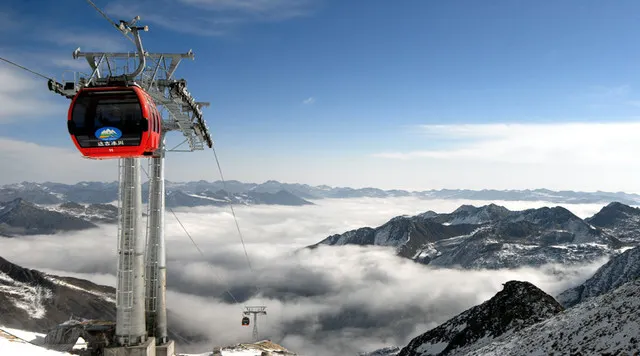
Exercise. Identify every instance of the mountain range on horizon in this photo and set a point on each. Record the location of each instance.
(209, 193)
(489, 236)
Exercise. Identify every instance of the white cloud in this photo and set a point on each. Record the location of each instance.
(22, 96)
(21, 160)
(261, 9)
(309, 100)
(76, 65)
(212, 17)
(567, 155)
(108, 41)
(603, 97)
(596, 143)
(329, 301)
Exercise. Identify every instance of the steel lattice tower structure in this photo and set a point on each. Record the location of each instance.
(141, 277)
(255, 311)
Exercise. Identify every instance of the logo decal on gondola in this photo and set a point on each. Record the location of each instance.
(108, 134)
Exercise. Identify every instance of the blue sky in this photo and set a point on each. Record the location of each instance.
(353, 92)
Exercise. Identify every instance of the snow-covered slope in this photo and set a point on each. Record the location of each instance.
(487, 237)
(35, 301)
(12, 346)
(98, 213)
(386, 351)
(255, 349)
(605, 325)
(32, 300)
(176, 198)
(618, 270)
(518, 305)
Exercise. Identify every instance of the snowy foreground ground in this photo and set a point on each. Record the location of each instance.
(249, 350)
(14, 342)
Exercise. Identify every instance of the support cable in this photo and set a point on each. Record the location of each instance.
(111, 21)
(199, 250)
(194, 243)
(224, 184)
(25, 68)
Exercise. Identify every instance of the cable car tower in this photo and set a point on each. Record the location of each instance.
(255, 311)
(141, 273)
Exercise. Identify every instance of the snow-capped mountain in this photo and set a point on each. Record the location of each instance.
(56, 193)
(469, 214)
(178, 194)
(100, 192)
(487, 237)
(177, 198)
(517, 306)
(97, 213)
(533, 195)
(619, 220)
(19, 217)
(605, 325)
(618, 270)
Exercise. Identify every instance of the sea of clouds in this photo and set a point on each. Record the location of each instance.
(327, 301)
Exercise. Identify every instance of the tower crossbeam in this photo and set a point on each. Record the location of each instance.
(184, 113)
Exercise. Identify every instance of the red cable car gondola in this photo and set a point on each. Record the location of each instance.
(245, 321)
(114, 122)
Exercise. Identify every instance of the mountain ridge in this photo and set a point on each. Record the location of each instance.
(489, 236)
(619, 270)
(19, 217)
(105, 192)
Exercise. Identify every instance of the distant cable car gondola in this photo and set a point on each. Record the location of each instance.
(245, 321)
(114, 122)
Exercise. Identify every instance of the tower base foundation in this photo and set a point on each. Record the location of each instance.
(147, 348)
(167, 349)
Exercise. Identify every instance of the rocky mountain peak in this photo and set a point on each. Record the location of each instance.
(556, 214)
(619, 220)
(607, 325)
(516, 306)
(465, 208)
(612, 214)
